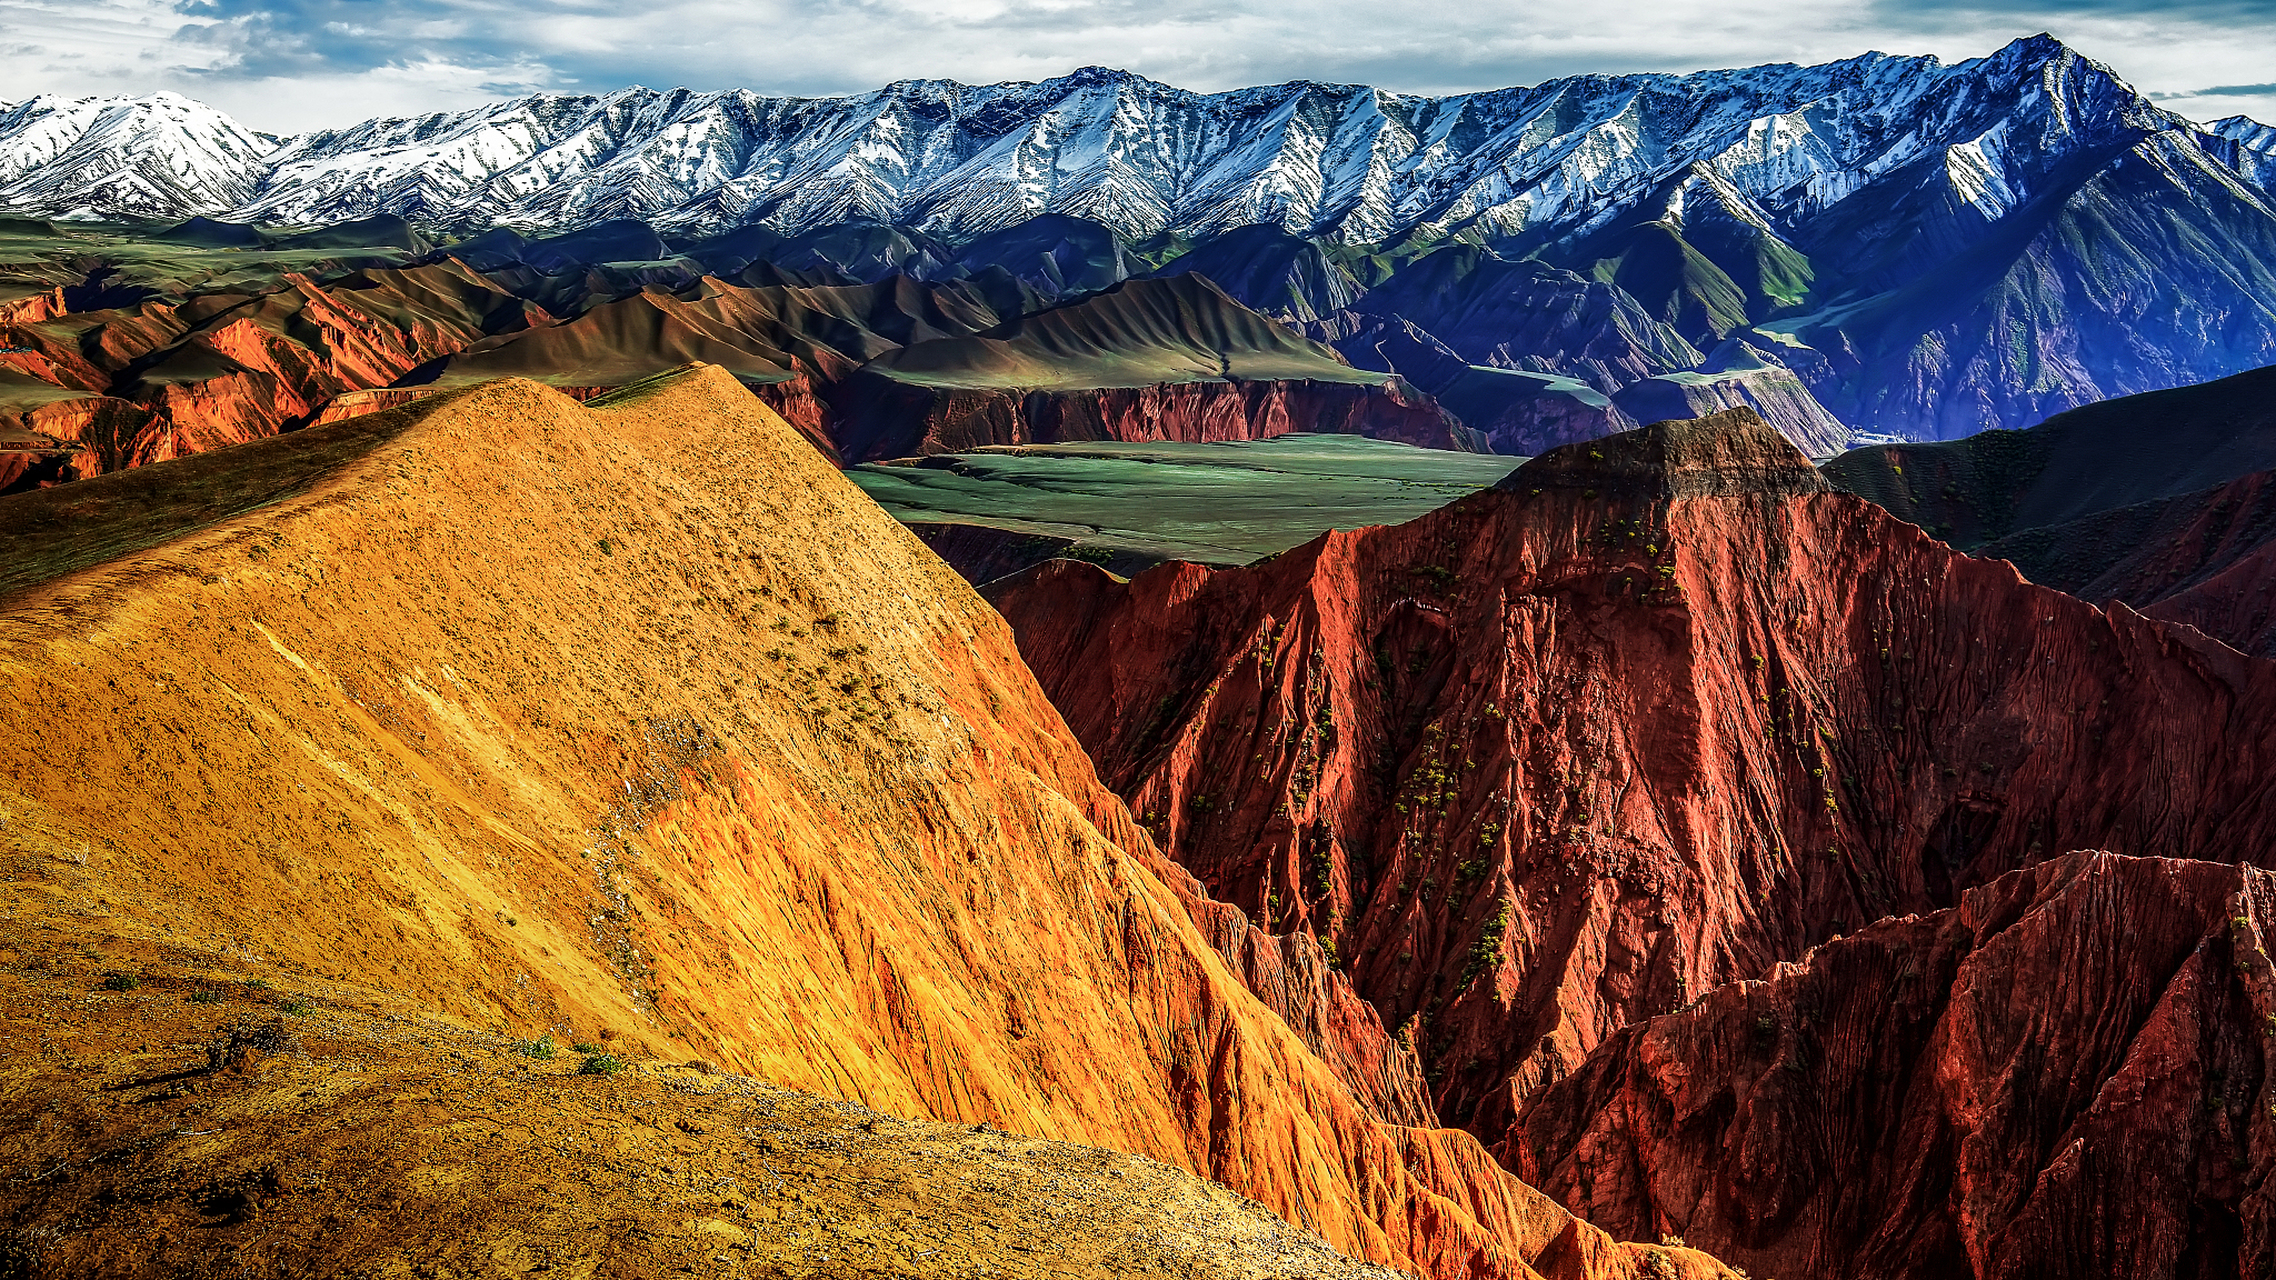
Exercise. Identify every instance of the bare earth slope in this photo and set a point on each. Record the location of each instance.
(543, 717)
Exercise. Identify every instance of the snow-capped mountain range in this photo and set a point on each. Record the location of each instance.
(1932, 249)
(1341, 161)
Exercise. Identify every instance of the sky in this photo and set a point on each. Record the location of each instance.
(288, 65)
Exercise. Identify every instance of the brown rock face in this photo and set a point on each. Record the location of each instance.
(548, 717)
(1655, 717)
(2066, 1074)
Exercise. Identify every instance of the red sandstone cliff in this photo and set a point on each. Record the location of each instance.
(2066, 1074)
(1661, 713)
(163, 379)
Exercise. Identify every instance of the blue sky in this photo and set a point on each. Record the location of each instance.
(287, 65)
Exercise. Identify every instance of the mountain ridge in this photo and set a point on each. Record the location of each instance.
(1898, 245)
(1443, 160)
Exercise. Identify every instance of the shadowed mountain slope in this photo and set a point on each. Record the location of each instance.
(549, 718)
(2090, 460)
(1530, 316)
(1271, 271)
(1140, 333)
(2158, 500)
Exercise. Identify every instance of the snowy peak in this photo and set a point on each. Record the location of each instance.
(1523, 166)
(163, 155)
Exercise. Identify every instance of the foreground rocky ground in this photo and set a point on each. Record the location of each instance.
(228, 1116)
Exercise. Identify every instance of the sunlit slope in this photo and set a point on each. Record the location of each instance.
(640, 719)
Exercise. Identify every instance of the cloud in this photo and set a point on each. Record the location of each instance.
(2234, 91)
(286, 65)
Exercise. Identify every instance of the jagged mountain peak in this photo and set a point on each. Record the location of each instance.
(1349, 162)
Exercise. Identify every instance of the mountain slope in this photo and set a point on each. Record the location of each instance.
(161, 156)
(2088, 461)
(1658, 714)
(369, 1130)
(1269, 270)
(581, 720)
(1153, 359)
(2066, 1073)
(1539, 163)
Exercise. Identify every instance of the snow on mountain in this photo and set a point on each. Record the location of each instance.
(161, 156)
(1348, 162)
(2255, 143)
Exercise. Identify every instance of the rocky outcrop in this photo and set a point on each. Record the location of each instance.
(1657, 716)
(2064, 1074)
(579, 720)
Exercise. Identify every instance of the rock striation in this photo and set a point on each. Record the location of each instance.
(2065, 1073)
(1659, 714)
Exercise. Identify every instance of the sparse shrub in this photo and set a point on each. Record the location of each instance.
(205, 997)
(541, 1049)
(584, 1046)
(607, 548)
(1486, 952)
(248, 1042)
(257, 984)
(121, 982)
(297, 1008)
(600, 1064)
